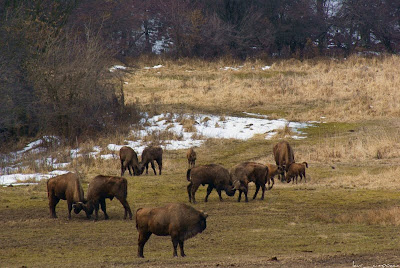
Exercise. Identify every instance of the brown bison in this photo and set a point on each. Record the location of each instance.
(179, 221)
(295, 170)
(273, 170)
(247, 172)
(216, 176)
(191, 157)
(102, 187)
(283, 155)
(150, 154)
(65, 187)
(129, 160)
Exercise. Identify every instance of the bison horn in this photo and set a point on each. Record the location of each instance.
(205, 215)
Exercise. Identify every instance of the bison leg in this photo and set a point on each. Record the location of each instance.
(52, 205)
(263, 191)
(193, 192)
(219, 194)
(257, 189)
(240, 195)
(103, 208)
(273, 182)
(127, 208)
(122, 168)
(159, 163)
(209, 190)
(153, 167)
(96, 210)
(189, 190)
(69, 209)
(131, 170)
(143, 237)
(245, 195)
(181, 248)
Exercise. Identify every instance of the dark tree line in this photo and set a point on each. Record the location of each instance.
(55, 54)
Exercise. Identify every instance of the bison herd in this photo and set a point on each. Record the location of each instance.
(179, 221)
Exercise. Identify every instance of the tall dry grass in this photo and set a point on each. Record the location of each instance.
(341, 90)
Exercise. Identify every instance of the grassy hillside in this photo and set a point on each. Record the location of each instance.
(349, 209)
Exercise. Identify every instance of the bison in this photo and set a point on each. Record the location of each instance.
(216, 176)
(283, 155)
(273, 170)
(65, 187)
(129, 160)
(150, 154)
(247, 172)
(295, 170)
(102, 187)
(179, 221)
(191, 157)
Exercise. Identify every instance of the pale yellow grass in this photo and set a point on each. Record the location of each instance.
(341, 90)
(388, 178)
(380, 216)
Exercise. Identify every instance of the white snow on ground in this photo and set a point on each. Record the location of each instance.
(206, 126)
(116, 67)
(154, 67)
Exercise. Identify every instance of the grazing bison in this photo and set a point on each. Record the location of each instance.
(129, 160)
(283, 155)
(65, 187)
(191, 157)
(247, 172)
(102, 187)
(150, 154)
(216, 176)
(295, 170)
(179, 221)
(273, 170)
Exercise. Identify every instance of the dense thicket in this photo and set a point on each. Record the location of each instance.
(54, 55)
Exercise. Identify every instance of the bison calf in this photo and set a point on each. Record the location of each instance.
(274, 170)
(247, 172)
(295, 170)
(65, 187)
(179, 221)
(149, 155)
(129, 160)
(191, 157)
(216, 176)
(102, 187)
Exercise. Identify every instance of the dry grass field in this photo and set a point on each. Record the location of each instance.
(348, 212)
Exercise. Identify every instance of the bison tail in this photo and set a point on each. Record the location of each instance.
(305, 163)
(188, 174)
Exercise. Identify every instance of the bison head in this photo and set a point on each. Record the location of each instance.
(83, 206)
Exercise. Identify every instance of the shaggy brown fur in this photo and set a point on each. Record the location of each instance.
(102, 187)
(129, 160)
(283, 155)
(216, 176)
(65, 187)
(191, 157)
(179, 221)
(150, 154)
(247, 172)
(273, 170)
(295, 170)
